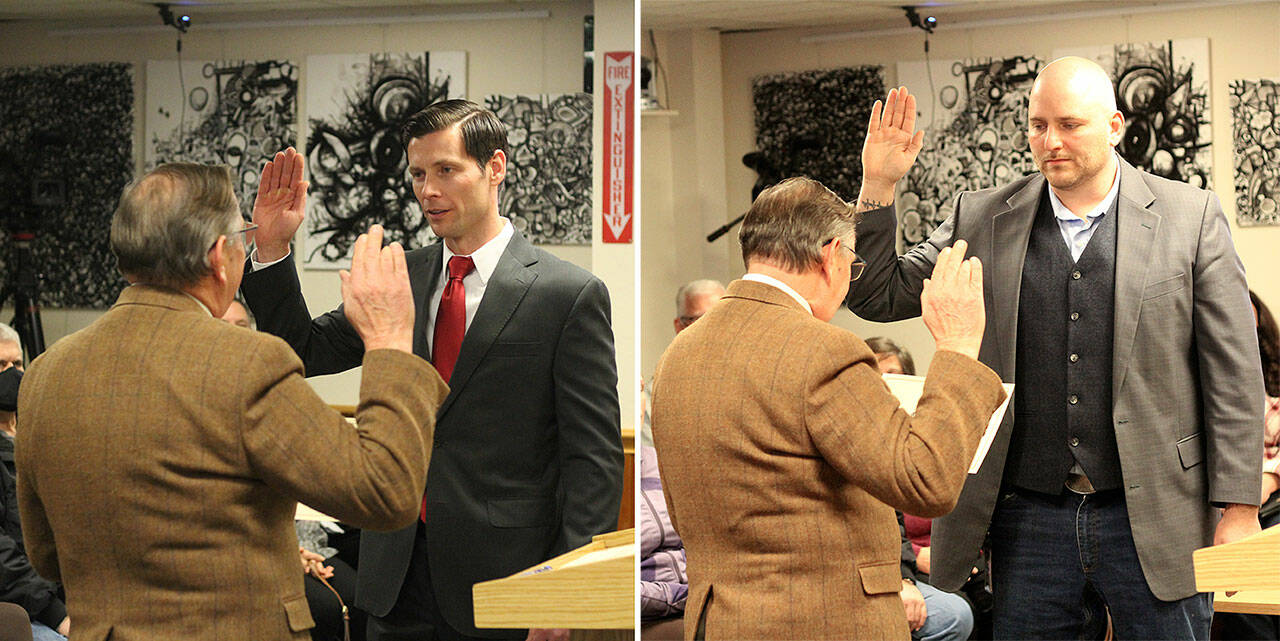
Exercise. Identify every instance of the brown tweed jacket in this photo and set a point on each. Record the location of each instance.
(783, 455)
(162, 452)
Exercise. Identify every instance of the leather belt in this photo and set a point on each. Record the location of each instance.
(1079, 483)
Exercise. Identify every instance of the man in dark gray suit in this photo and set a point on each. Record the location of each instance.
(1117, 304)
(527, 461)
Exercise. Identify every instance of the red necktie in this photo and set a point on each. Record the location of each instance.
(451, 326)
(451, 318)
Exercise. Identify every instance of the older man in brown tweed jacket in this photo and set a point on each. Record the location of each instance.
(162, 452)
(783, 452)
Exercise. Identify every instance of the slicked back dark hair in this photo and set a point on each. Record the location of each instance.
(482, 132)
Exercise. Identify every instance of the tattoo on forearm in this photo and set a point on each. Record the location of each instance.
(865, 204)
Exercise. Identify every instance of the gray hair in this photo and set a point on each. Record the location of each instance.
(168, 219)
(9, 335)
(696, 288)
(790, 222)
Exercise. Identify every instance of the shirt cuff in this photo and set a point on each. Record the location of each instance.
(260, 266)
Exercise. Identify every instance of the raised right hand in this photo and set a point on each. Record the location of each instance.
(951, 303)
(376, 298)
(890, 148)
(279, 207)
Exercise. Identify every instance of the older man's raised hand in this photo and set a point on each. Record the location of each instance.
(376, 297)
(279, 207)
(952, 304)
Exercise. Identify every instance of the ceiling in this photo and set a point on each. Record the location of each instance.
(753, 15)
(136, 11)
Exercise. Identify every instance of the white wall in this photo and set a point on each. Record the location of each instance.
(503, 56)
(1244, 43)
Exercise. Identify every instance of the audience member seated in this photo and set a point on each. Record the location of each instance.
(663, 584)
(10, 359)
(1228, 625)
(19, 583)
(330, 582)
(932, 613)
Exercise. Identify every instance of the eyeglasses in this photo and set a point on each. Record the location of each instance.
(244, 240)
(856, 267)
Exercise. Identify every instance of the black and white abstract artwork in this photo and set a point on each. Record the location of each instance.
(229, 112)
(547, 190)
(813, 123)
(66, 153)
(974, 114)
(1162, 88)
(1255, 131)
(357, 167)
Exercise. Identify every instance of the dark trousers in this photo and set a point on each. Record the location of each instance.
(1058, 561)
(327, 610)
(416, 615)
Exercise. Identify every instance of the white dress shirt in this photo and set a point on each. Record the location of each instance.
(486, 261)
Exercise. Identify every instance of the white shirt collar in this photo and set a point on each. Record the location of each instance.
(1061, 212)
(487, 256)
(202, 305)
(770, 280)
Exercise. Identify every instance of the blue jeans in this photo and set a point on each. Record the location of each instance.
(1057, 560)
(948, 617)
(42, 632)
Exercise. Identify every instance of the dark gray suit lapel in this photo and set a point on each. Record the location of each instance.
(1010, 232)
(506, 288)
(1136, 230)
(423, 277)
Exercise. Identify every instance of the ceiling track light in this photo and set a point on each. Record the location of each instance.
(181, 22)
(927, 24)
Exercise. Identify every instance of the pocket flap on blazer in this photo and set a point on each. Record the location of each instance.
(299, 615)
(520, 512)
(882, 577)
(1190, 451)
(1166, 286)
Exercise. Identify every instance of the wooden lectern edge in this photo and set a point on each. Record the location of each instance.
(563, 584)
(1251, 563)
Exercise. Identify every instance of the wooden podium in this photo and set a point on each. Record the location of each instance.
(1250, 567)
(590, 588)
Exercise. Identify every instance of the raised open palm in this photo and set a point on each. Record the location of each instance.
(281, 202)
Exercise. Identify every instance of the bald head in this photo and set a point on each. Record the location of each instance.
(1073, 127)
(1079, 77)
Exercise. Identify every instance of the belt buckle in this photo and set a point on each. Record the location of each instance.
(1079, 483)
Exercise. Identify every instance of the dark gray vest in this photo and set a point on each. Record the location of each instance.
(1062, 398)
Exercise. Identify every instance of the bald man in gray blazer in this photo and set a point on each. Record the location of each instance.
(1117, 304)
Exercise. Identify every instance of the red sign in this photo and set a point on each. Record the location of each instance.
(619, 136)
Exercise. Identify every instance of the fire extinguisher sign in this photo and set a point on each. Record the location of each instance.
(619, 136)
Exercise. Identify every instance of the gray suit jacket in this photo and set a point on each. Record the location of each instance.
(1187, 380)
(528, 460)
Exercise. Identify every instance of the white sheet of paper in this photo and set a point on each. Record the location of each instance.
(908, 389)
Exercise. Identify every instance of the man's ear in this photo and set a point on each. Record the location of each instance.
(218, 259)
(497, 167)
(1115, 128)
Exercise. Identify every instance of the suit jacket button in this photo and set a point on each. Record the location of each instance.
(1075, 316)
(1073, 358)
(1075, 275)
(1075, 442)
(1073, 399)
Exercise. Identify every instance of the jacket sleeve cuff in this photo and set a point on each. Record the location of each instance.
(52, 614)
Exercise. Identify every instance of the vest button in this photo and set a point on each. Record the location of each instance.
(1073, 399)
(1075, 275)
(1075, 442)
(1075, 316)
(1073, 358)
